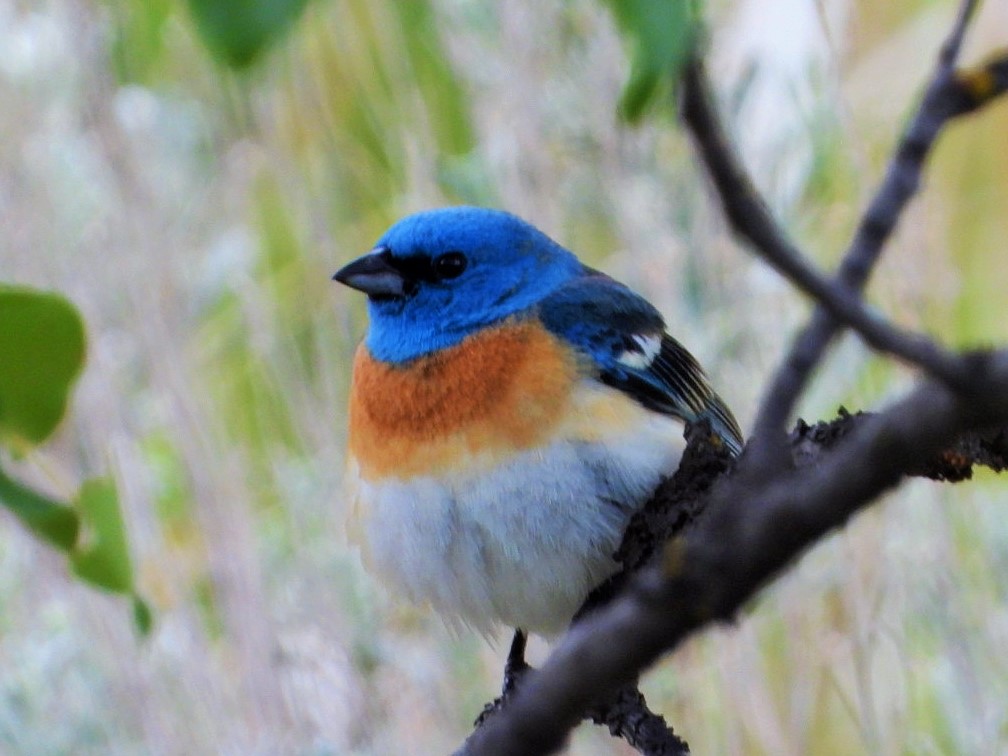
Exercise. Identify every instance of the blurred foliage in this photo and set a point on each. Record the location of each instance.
(661, 35)
(103, 556)
(238, 31)
(978, 175)
(49, 519)
(138, 40)
(195, 180)
(438, 84)
(41, 356)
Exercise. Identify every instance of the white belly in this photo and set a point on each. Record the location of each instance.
(519, 543)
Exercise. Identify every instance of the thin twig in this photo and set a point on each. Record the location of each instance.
(939, 104)
(628, 717)
(752, 220)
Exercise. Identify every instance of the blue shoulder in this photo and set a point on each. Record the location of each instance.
(624, 336)
(599, 316)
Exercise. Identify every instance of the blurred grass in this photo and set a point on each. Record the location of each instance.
(195, 215)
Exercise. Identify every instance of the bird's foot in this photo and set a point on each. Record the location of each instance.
(515, 668)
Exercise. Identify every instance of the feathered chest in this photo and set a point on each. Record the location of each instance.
(494, 479)
(501, 391)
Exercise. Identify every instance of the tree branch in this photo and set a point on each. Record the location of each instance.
(943, 99)
(747, 536)
(717, 537)
(627, 716)
(752, 220)
(948, 95)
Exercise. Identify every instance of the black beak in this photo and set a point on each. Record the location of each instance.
(374, 274)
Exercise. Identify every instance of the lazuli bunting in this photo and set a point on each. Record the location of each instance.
(510, 409)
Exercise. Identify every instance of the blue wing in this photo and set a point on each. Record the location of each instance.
(625, 337)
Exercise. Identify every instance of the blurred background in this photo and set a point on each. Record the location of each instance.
(195, 213)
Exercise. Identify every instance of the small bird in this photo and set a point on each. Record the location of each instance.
(510, 409)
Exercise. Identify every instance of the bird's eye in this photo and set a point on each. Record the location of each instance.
(449, 265)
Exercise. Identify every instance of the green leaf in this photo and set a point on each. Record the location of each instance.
(661, 34)
(51, 520)
(103, 556)
(41, 355)
(237, 31)
(138, 32)
(143, 618)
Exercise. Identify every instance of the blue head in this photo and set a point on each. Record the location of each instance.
(438, 276)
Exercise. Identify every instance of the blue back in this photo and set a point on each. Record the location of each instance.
(606, 320)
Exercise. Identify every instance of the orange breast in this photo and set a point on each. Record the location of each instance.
(503, 390)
